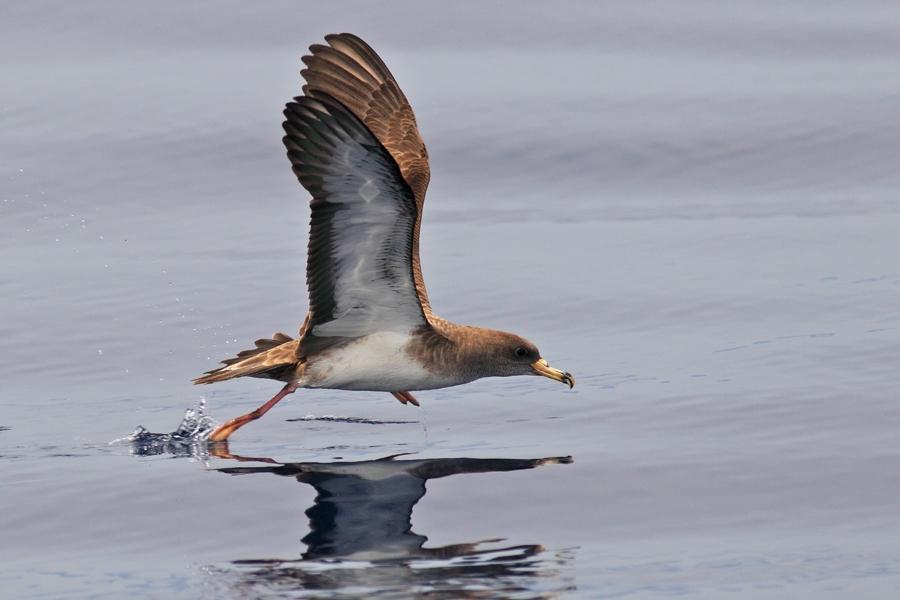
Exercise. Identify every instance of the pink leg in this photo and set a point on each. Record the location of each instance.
(223, 431)
(405, 397)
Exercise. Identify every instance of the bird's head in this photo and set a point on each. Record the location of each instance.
(506, 354)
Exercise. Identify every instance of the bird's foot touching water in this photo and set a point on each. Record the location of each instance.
(223, 431)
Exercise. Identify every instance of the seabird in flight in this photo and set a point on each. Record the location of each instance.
(354, 145)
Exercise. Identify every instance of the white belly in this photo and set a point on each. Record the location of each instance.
(375, 363)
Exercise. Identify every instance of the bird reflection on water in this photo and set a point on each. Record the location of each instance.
(363, 509)
(360, 542)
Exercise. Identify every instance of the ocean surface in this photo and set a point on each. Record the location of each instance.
(692, 207)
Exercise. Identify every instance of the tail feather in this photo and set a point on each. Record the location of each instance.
(271, 359)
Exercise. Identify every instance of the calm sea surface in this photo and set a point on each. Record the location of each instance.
(693, 209)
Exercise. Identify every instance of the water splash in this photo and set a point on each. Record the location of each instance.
(188, 440)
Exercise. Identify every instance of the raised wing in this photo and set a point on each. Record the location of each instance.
(349, 71)
(359, 270)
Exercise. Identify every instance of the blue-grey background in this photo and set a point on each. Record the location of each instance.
(693, 207)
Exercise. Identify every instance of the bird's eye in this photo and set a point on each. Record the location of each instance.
(520, 351)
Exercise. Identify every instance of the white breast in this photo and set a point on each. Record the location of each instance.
(376, 362)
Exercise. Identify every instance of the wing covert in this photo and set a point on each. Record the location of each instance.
(352, 73)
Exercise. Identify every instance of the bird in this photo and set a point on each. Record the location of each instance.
(353, 143)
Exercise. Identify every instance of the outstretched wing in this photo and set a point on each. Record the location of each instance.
(349, 71)
(359, 268)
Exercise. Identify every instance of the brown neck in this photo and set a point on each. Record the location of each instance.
(461, 347)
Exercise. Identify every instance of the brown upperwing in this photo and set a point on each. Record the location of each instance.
(349, 71)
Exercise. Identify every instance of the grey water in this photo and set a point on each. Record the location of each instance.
(692, 207)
